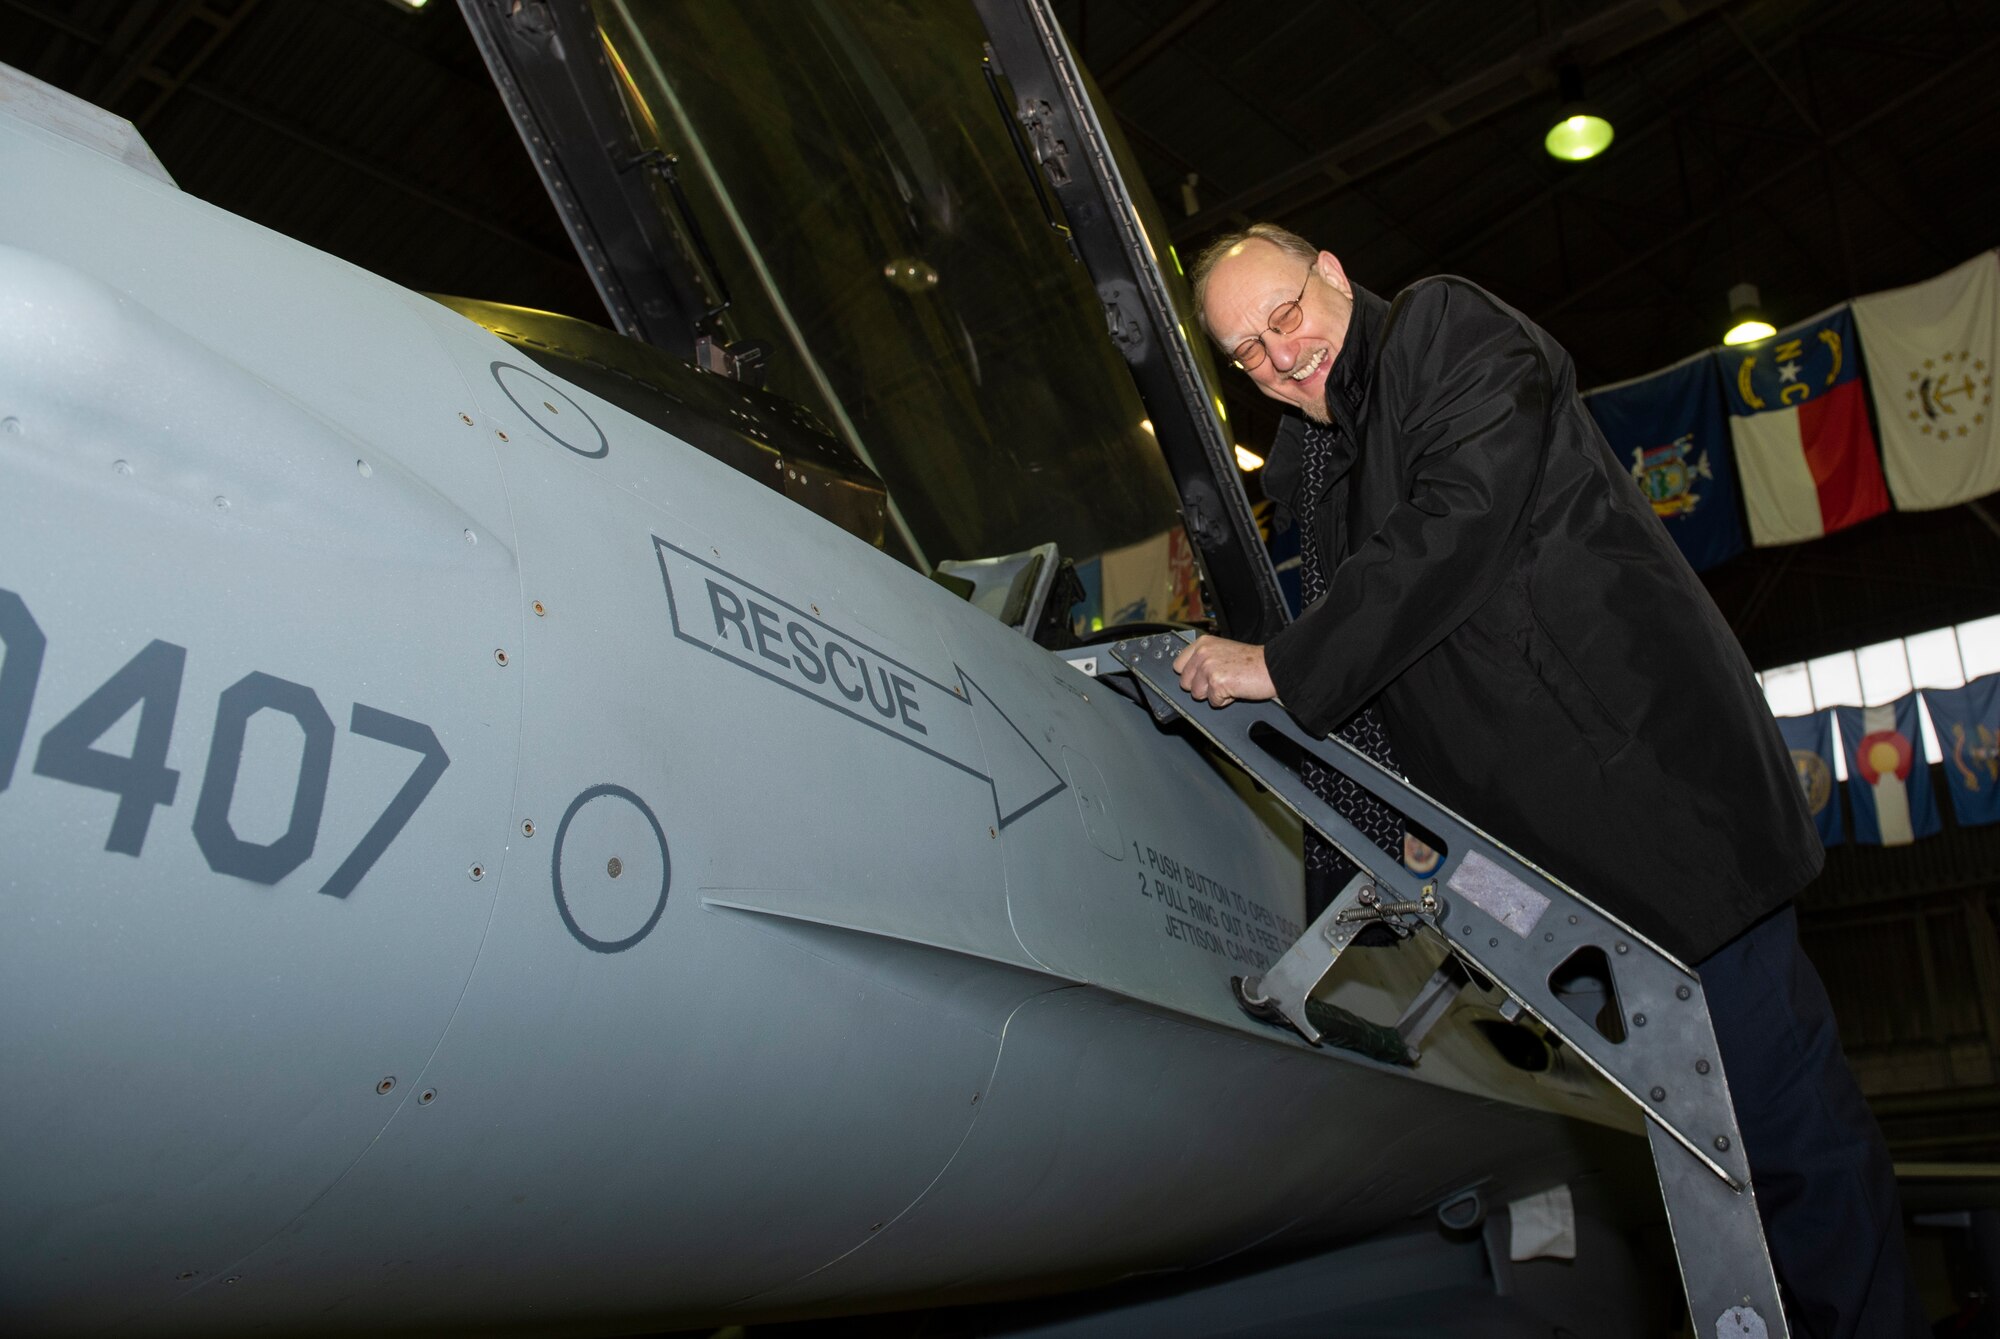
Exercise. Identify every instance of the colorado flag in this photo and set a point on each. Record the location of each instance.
(1888, 782)
(1968, 727)
(1810, 738)
(1799, 417)
(1668, 430)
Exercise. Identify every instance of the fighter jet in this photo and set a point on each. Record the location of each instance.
(515, 824)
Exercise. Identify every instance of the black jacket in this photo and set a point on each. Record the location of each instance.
(1545, 661)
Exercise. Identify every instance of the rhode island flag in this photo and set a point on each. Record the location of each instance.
(1669, 430)
(1799, 416)
(1888, 782)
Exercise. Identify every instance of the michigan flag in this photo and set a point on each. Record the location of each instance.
(1888, 783)
(1670, 430)
(1968, 727)
(1799, 417)
(1810, 738)
(1931, 350)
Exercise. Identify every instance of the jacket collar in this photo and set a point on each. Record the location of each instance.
(1354, 370)
(1347, 383)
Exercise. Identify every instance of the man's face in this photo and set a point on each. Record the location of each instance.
(1255, 280)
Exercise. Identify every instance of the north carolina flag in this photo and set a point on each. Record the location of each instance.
(1799, 417)
(1810, 738)
(1968, 727)
(1931, 350)
(1888, 783)
(1669, 430)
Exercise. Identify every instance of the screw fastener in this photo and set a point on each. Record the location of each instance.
(476, 873)
(1722, 1143)
(1659, 1094)
(1701, 1066)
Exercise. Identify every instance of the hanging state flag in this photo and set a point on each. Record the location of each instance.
(1810, 738)
(1888, 783)
(1799, 420)
(1968, 728)
(1931, 351)
(1670, 430)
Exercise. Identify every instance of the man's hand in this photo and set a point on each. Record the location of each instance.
(1218, 671)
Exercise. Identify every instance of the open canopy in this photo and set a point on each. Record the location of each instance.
(840, 182)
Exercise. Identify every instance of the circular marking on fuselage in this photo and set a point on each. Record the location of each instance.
(545, 405)
(609, 913)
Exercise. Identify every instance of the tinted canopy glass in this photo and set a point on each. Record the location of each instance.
(856, 182)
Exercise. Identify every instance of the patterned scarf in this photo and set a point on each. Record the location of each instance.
(1327, 870)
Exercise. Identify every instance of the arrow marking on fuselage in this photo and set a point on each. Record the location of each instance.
(776, 640)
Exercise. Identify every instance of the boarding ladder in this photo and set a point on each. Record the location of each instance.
(1516, 926)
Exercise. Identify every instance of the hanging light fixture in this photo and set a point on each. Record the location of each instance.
(1747, 323)
(1579, 131)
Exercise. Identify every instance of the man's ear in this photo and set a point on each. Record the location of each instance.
(1328, 268)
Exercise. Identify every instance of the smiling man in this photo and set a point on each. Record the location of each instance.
(1494, 611)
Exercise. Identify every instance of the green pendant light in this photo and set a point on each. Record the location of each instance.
(1747, 323)
(1579, 131)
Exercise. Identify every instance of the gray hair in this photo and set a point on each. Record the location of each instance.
(1214, 253)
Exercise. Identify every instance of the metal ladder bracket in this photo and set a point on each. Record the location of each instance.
(1280, 994)
(1518, 927)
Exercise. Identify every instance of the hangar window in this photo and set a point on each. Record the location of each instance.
(1869, 676)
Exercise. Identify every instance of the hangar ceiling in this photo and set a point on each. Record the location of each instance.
(1815, 149)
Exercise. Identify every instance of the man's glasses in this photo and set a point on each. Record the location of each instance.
(1250, 354)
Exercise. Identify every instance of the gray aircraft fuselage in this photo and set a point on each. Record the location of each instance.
(470, 858)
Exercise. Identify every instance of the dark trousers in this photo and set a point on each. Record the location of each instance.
(1825, 1187)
